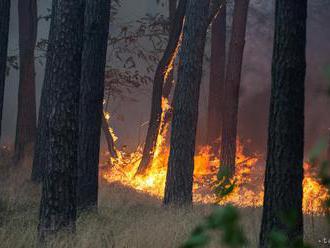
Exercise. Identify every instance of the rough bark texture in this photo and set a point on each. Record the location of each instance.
(217, 80)
(232, 85)
(284, 169)
(4, 29)
(109, 138)
(58, 201)
(179, 180)
(96, 29)
(158, 84)
(26, 108)
(40, 154)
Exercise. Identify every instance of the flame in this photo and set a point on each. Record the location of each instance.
(248, 191)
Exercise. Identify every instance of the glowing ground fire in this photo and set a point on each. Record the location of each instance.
(248, 191)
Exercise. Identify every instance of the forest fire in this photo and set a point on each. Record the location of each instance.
(248, 191)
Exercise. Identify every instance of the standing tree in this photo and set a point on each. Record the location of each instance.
(231, 87)
(96, 29)
(157, 92)
(217, 80)
(62, 80)
(179, 180)
(4, 30)
(284, 169)
(26, 109)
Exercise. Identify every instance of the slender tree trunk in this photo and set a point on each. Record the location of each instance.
(108, 137)
(284, 169)
(231, 88)
(179, 180)
(58, 201)
(26, 109)
(4, 30)
(217, 80)
(158, 84)
(96, 29)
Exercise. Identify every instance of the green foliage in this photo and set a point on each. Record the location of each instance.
(226, 221)
(324, 172)
(223, 186)
(278, 239)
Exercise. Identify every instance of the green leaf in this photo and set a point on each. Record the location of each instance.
(196, 241)
(278, 240)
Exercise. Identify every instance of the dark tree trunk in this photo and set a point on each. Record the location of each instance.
(58, 201)
(158, 84)
(40, 153)
(171, 10)
(284, 169)
(179, 180)
(108, 137)
(26, 108)
(4, 30)
(96, 29)
(217, 80)
(231, 87)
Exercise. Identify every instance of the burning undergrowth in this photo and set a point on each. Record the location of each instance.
(248, 191)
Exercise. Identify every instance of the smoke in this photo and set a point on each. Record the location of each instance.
(129, 115)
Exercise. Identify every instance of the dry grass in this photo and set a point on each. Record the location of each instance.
(125, 218)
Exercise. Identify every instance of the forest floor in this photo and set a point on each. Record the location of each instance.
(125, 218)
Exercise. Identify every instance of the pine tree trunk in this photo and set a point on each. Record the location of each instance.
(4, 30)
(284, 169)
(179, 180)
(217, 80)
(26, 108)
(58, 201)
(231, 88)
(108, 137)
(96, 29)
(157, 91)
(40, 154)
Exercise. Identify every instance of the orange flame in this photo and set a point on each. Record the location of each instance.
(248, 191)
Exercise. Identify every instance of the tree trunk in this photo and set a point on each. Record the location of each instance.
(179, 180)
(96, 29)
(4, 30)
(40, 154)
(108, 137)
(158, 84)
(217, 80)
(58, 201)
(231, 88)
(284, 169)
(26, 108)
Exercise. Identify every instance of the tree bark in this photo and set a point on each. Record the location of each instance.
(4, 30)
(26, 108)
(217, 80)
(284, 168)
(158, 84)
(58, 201)
(179, 180)
(40, 154)
(231, 88)
(96, 29)
(109, 138)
